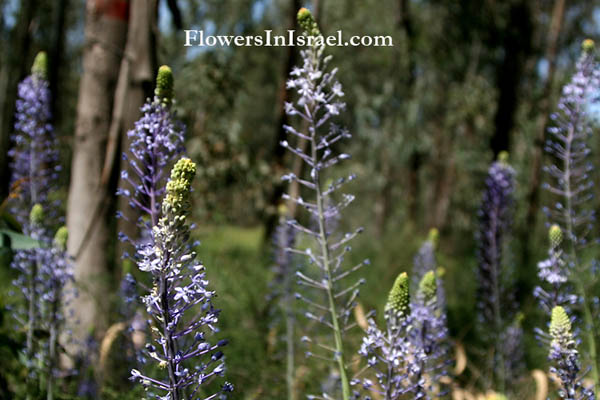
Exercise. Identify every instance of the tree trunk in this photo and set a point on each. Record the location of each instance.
(278, 151)
(89, 199)
(404, 22)
(516, 43)
(56, 56)
(134, 85)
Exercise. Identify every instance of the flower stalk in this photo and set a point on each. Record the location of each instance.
(570, 182)
(319, 94)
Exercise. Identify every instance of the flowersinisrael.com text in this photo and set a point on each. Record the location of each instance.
(198, 38)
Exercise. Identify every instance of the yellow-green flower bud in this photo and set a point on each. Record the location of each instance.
(60, 238)
(433, 236)
(555, 235)
(428, 287)
(587, 45)
(440, 272)
(180, 184)
(40, 65)
(399, 298)
(307, 22)
(503, 157)
(36, 216)
(184, 169)
(560, 324)
(164, 84)
(282, 210)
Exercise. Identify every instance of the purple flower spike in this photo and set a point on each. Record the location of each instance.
(179, 304)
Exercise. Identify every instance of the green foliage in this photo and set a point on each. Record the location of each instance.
(18, 241)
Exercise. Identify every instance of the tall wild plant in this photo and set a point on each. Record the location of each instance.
(571, 186)
(330, 295)
(494, 299)
(43, 271)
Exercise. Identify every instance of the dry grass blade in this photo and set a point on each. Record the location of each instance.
(541, 384)
(109, 338)
(461, 359)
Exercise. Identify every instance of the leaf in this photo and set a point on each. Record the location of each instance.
(18, 241)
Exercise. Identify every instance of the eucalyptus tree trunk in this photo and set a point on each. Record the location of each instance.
(87, 209)
(57, 56)
(278, 151)
(134, 85)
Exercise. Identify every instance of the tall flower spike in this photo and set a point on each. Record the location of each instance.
(495, 220)
(156, 141)
(565, 358)
(34, 157)
(571, 186)
(56, 275)
(327, 279)
(389, 354)
(180, 303)
(428, 336)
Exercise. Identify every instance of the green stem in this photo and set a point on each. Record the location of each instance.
(290, 350)
(52, 352)
(170, 343)
(337, 333)
(289, 324)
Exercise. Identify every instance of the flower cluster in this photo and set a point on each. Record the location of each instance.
(389, 354)
(428, 336)
(180, 303)
(410, 357)
(494, 299)
(553, 275)
(565, 358)
(34, 154)
(156, 141)
(325, 278)
(495, 219)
